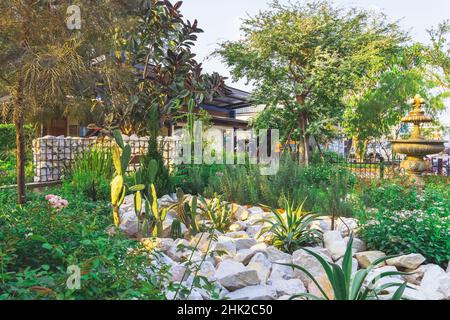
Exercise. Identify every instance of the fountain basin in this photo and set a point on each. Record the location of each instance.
(418, 148)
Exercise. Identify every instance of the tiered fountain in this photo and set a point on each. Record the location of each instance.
(416, 147)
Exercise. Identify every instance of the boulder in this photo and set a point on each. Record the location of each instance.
(326, 286)
(354, 264)
(238, 226)
(178, 271)
(366, 258)
(416, 275)
(255, 211)
(167, 227)
(277, 255)
(280, 271)
(310, 263)
(244, 256)
(129, 223)
(244, 243)
(375, 273)
(234, 275)
(258, 292)
(160, 244)
(436, 283)
(237, 235)
(288, 287)
(261, 265)
(335, 244)
(357, 246)
(241, 214)
(179, 250)
(226, 246)
(208, 271)
(253, 231)
(202, 241)
(410, 261)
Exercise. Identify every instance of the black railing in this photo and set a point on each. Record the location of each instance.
(380, 168)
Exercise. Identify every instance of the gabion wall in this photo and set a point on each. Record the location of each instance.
(52, 156)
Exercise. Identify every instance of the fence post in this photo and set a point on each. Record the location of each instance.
(381, 168)
(440, 167)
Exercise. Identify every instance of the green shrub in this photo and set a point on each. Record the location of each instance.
(403, 232)
(37, 244)
(91, 173)
(8, 136)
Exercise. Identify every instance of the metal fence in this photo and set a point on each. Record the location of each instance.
(385, 169)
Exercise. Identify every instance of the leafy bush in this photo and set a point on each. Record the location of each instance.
(91, 173)
(291, 228)
(403, 232)
(347, 286)
(37, 244)
(8, 136)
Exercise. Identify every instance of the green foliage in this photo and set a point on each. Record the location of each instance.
(91, 173)
(291, 228)
(347, 286)
(193, 179)
(306, 56)
(8, 136)
(403, 221)
(38, 244)
(219, 212)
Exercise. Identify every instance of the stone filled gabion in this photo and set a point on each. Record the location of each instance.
(53, 155)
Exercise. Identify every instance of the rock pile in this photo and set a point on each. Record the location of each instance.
(249, 268)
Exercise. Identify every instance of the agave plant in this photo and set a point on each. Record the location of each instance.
(219, 212)
(347, 286)
(291, 228)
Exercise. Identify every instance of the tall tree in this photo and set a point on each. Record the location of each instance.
(304, 57)
(43, 63)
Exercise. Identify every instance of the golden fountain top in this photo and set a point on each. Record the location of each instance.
(417, 115)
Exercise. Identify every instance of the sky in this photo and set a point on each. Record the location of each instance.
(221, 20)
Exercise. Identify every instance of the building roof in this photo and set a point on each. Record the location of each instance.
(235, 99)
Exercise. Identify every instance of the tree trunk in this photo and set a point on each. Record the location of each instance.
(20, 143)
(360, 148)
(304, 154)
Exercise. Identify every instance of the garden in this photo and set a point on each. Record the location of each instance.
(121, 222)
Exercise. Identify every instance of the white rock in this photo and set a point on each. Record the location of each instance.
(226, 245)
(416, 275)
(202, 241)
(358, 245)
(258, 292)
(354, 264)
(280, 271)
(347, 226)
(208, 271)
(335, 244)
(129, 224)
(234, 275)
(244, 256)
(237, 235)
(255, 211)
(254, 231)
(195, 295)
(366, 258)
(276, 255)
(260, 247)
(178, 271)
(161, 244)
(238, 226)
(436, 283)
(244, 243)
(448, 267)
(261, 265)
(289, 287)
(241, 214)
(310, 263)
(179, 251)
(375, 273)
(410, 261)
